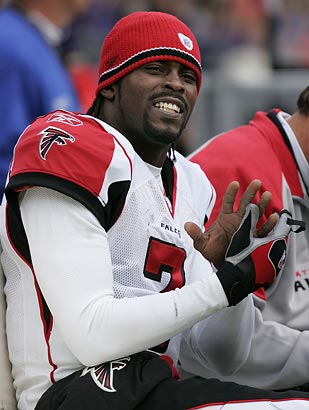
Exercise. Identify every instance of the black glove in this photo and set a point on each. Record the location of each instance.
(246, 267)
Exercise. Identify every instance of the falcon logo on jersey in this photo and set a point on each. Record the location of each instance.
(65, 119)
(103, 375)
(52, 135)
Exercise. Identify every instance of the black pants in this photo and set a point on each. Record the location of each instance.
(146, 382)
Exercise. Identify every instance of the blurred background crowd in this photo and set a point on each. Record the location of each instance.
(276, 30)
(254, 52)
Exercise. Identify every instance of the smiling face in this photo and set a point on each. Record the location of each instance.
(151, 106)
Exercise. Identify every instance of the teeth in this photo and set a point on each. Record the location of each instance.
(169, 107)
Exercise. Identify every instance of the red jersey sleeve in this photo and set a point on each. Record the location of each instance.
(75, 155)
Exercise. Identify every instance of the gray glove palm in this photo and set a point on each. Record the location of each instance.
(252, 262)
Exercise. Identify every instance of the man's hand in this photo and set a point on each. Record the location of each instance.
(252, 262)
(214, 242)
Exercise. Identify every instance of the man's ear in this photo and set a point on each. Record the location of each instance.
(109, 92)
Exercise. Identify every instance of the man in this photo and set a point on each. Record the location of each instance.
(272, 147)
(102, 277)
(33, 78)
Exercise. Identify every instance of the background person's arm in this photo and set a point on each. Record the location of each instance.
(276, 351)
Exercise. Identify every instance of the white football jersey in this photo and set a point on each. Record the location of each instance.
(142, 211)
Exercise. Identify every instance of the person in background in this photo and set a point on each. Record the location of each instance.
(33, 78)
(104, 250)
(273, 147)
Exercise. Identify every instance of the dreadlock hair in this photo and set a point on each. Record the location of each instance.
(303, 102)
(95, 108)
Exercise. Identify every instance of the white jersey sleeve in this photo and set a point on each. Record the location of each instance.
(71, 260)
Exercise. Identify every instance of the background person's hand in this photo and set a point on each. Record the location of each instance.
(214, 242)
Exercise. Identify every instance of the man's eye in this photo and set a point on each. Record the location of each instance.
(153, 68)
(190, 77)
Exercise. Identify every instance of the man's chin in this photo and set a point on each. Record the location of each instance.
(165, 132)
(165, 136)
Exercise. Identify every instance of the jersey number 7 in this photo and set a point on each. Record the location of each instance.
(164, 257)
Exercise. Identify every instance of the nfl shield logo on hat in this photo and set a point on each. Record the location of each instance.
(186, 41)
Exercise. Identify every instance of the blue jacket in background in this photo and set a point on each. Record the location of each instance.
(33, 82)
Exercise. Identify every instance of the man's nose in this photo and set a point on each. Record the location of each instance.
(174, 81)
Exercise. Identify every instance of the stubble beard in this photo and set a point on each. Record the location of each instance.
(164, 136)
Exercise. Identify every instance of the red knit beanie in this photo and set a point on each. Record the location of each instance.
(143, 36)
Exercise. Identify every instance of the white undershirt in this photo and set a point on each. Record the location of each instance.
(156, 172)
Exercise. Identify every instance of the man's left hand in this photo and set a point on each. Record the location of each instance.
(214, 242)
